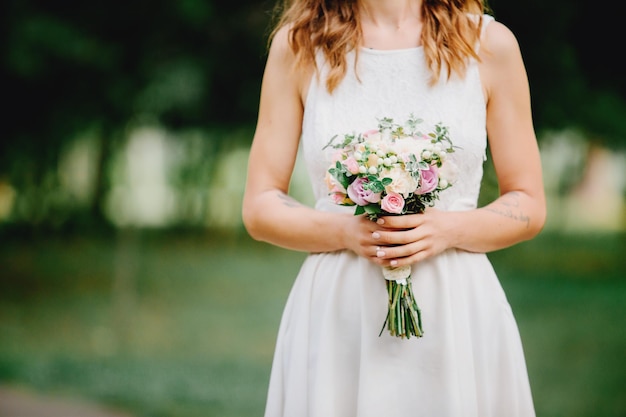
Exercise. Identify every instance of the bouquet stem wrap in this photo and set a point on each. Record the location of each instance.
(404, 318)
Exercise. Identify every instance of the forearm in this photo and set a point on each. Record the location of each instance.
(512, 218)
(277, 218)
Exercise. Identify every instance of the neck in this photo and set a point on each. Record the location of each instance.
(391, 24)
(390, 13)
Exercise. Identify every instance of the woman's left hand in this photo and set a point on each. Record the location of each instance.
(412, 238)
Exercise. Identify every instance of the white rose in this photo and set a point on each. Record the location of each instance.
(402, 182)
(449, 171)
(410, 145)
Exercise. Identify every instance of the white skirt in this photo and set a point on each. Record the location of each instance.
(331, 362)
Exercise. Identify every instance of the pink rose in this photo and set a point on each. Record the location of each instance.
(339, 196)
(392, 203)
(337, 156)
(371, 134)
(361, 196)
(429, 179)
(351, 165)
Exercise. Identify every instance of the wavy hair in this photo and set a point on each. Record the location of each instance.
(333, 27)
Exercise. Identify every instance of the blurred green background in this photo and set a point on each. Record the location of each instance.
(126, 277)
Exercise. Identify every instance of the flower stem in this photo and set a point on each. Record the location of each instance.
(403, 315)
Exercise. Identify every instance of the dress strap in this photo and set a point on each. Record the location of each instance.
(485, 20)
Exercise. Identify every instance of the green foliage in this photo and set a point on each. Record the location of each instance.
(73, 67)
(340, 173)
(198, 335)
(347, 139)
(376, 185)
(576, 76)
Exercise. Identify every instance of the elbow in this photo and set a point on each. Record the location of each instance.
(251, 221)
(538, 221)
(534, 229)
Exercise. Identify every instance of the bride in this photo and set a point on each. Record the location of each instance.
(339, 66)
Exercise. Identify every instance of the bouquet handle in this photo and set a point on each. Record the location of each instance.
(404, 317)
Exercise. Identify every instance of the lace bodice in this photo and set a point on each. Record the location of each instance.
(394, 84)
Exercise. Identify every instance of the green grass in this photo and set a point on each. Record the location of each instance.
(184, 325)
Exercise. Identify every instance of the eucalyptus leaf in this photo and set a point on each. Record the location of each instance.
(424, 166)
(372, 209)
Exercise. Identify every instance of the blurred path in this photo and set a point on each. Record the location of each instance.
(15, 402)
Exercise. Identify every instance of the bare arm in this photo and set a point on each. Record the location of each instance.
(519, 213)
(269, 213)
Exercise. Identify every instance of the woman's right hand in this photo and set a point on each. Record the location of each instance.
(358, 237)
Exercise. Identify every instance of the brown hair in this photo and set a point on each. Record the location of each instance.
(449, 34)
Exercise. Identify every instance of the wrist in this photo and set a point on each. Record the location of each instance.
(341, 231)
(456, 228)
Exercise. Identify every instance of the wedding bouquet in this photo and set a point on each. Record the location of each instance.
(392, 170)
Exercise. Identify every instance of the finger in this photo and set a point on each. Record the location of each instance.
(395, 237)
(400, 222)
(414, 258)
(403, 251)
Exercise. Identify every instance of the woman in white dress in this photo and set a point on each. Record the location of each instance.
(336, 67)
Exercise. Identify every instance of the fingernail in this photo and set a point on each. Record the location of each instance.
(380, 254)
(380, 221)
(376, 235)
(393, 263)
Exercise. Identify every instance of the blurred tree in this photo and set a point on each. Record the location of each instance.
(575, 71)
(70, 67)
(73, 66)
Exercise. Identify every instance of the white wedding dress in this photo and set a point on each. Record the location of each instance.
(329, 359)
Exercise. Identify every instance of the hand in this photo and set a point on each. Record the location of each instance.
(411, 238)
(357, 237)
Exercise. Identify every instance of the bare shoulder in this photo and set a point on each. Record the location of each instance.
(282, 61)
(499, 42)
(501, 64)
(280, 48)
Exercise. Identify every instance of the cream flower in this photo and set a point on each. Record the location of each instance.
(332, 183)
(402, 182)
(449, 171)
(407, 146)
